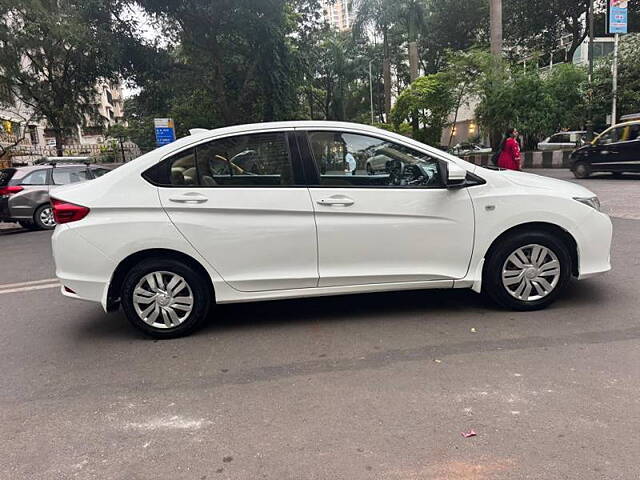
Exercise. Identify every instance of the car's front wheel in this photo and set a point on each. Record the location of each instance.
(527, 271)
(581, 170)
(165, 298)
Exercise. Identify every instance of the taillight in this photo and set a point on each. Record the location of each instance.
(10, 190)
(64, 212)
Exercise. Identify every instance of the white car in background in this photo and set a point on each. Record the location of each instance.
(562, 141)
(172, 233)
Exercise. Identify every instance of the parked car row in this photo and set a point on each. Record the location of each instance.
(24, 191)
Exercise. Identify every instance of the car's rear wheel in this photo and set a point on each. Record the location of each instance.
(165, 298)
(581, 170)
(527, 271)
(43, 217)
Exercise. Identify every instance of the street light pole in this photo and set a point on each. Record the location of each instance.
(590, 109)
(614, 106)
(371, 90)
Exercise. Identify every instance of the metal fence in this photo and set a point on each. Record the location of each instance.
(111, 153)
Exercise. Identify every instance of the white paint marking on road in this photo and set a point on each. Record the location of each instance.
(27, 289)
(25, 284)
(171, 423)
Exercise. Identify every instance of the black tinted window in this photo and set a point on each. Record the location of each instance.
(243, 160)
(5, 176)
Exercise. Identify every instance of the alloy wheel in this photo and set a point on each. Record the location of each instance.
(163, 299)
(531, 272)
(46, 217)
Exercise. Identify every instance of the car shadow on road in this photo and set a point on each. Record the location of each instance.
(395, 306)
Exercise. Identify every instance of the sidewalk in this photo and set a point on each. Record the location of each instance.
(531, 159)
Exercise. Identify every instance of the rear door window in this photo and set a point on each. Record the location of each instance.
(39, 177)
(64, 176)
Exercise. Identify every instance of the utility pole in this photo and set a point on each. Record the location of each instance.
(590, 109)
(371, 90)
(496, 27)
(614, 106)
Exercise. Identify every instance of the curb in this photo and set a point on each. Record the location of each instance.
(531, 159)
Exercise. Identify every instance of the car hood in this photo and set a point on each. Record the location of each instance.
(538, 182)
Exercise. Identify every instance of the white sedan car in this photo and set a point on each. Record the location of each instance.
(182, 228)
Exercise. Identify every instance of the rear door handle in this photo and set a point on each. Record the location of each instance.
(191, 197)
(330, 201)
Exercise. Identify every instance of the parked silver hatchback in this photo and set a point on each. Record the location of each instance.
(24, 191)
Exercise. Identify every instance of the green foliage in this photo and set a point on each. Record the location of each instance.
(536, 103)
(628, 81)
(52, 54)
(430, 99)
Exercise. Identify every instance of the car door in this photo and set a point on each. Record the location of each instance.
(242, 203)
(629, 150)
(607, 154)
(400, 226)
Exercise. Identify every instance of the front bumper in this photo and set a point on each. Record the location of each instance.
(594, 245)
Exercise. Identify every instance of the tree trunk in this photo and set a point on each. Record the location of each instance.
(413, 61)
(455, 117)
(59, 141)
(386, 71)
(496, 28)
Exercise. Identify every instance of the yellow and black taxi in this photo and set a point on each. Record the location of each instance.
(616, 150)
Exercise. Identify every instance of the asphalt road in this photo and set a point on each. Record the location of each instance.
(373, 386)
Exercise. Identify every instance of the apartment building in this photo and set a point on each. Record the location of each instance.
(339, 14)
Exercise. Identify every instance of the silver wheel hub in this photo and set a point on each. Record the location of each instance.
(46, 217)
(163, 299)
(531, 272)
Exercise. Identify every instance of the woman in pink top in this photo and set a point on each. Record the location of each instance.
(510, 151)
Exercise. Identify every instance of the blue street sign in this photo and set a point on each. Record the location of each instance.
(165, 131)
(618, 20)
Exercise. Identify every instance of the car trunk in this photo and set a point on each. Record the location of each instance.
(6, 174)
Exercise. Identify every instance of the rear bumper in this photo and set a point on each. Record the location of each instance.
(80, 266)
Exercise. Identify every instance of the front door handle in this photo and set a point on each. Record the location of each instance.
(191, 197)
(330, 201)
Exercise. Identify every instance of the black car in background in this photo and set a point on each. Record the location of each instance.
(616, 150)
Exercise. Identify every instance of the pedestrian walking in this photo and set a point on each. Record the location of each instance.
(509, 152)
(351, 164)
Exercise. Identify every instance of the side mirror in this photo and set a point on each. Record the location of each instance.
(455, 175)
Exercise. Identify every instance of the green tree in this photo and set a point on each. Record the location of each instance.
(431, 100)
(52, 52)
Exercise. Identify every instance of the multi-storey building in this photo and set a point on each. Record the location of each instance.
(339, 14)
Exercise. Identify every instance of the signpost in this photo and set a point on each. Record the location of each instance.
(618, 23)
(165, 131)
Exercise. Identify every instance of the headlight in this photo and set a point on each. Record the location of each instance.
(592, 202)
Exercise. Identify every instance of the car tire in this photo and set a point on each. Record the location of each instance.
(43, 217)
(531, 285)
(369, 169)
(173, 305)
(581, 170)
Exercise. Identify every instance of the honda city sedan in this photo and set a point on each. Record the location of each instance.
(182, 228)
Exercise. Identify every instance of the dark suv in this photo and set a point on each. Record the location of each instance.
(24, 191)
(616, 150)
